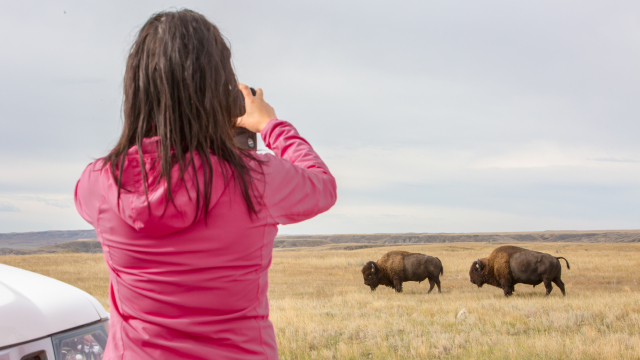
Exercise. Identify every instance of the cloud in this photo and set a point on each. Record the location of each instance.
(398, 218)
(542, 154)
(6, 206)
(39, 212)
(508, 115)
(59, 201)
(24, 174)
(612, 159)
(506, 165)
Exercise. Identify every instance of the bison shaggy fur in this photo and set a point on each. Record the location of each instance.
(396, 267)
(510, 265)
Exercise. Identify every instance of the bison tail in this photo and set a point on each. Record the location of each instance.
(567, 261)
(441, 267)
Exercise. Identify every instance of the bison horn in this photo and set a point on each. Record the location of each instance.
(478, 264)
(373, 267)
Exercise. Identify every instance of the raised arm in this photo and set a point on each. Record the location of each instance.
(298, 184)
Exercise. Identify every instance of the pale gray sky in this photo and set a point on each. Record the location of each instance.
(433, 116)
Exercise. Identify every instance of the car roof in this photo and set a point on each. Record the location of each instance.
(33, 306)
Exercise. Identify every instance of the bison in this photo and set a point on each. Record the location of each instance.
(396, 267)
(510, 265)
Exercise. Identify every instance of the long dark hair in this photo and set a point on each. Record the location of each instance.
(179, 84)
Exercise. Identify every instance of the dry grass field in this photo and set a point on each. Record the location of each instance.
(322, 310)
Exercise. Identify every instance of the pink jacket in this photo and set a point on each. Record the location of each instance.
(183, 290)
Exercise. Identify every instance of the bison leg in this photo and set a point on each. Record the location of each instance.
(438, 283)
(397, 284)
(432, 285)
(560, 285)
(548, 286)
(507, 288)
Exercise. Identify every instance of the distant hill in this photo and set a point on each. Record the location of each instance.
(90, 246)
(33, 240)
(293, 241)
(84, 240)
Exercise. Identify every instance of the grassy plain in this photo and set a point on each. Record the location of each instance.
(322, 310)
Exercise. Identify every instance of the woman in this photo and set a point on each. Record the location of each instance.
(188, 262)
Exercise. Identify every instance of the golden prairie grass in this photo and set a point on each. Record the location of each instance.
(321, 309)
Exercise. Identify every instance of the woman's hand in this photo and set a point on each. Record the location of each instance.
(258, 111)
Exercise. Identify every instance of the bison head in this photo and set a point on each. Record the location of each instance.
(371, 275)
(476, 273)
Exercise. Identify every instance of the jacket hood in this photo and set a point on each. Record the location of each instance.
(152, 214)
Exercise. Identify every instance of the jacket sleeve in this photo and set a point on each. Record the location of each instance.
(298, 184)
(88, 195)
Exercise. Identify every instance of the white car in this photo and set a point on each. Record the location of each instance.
(45, 319)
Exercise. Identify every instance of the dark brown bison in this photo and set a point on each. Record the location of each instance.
(396, 267)
(510, 265)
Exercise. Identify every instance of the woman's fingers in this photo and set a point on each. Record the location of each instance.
(246, 91)
(244, 88)
(258, 112)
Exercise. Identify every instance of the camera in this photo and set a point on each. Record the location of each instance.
(244, 138)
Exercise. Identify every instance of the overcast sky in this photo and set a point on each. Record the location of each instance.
(434, 116)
